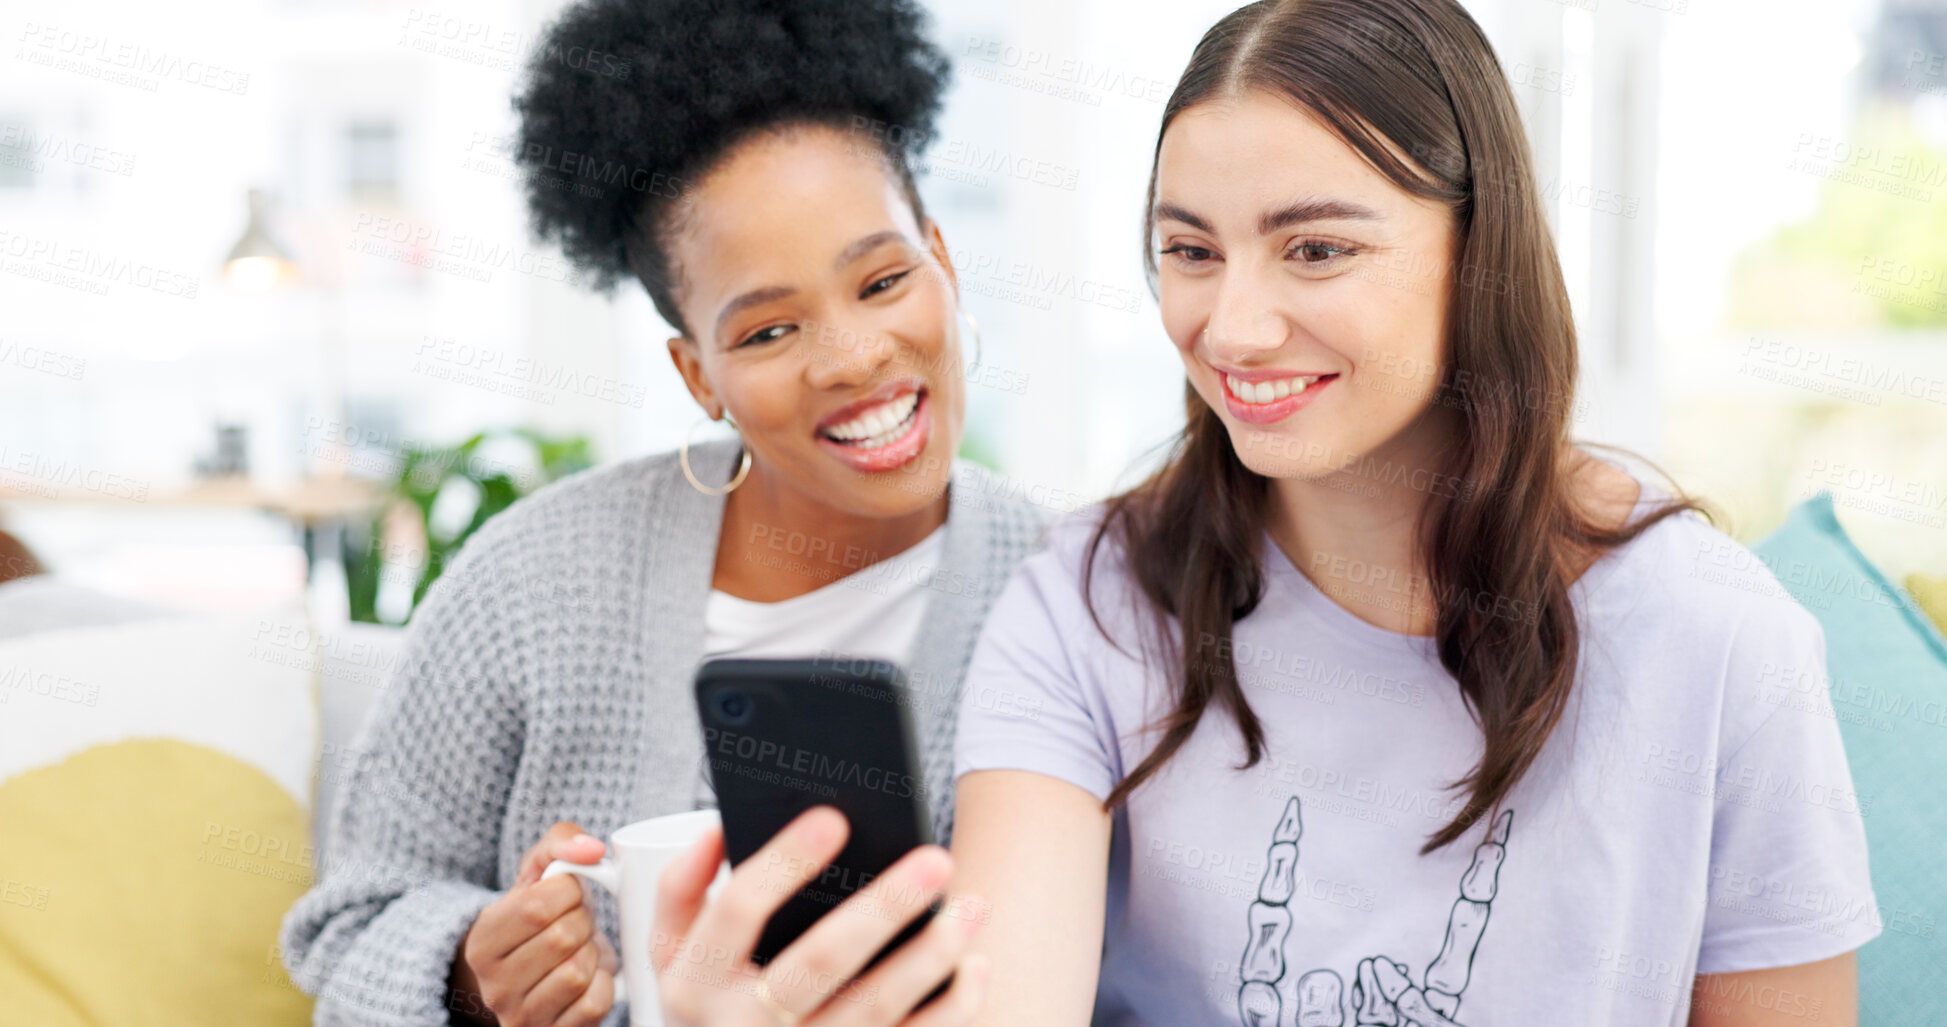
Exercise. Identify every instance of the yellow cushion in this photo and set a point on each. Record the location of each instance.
(155, 780)
(145, 886)
(1931, 594)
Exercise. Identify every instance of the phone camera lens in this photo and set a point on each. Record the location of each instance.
(733, 706)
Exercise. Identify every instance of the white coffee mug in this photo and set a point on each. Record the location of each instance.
(636, 857)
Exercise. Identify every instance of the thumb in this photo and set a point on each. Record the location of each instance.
(680, 893)
(564, 841)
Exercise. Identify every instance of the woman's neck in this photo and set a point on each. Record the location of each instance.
(778, 542)
(1354, 533)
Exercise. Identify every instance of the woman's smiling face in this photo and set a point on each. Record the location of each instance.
(822, 318)
(1305, 292)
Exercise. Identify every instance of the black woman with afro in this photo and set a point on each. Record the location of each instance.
(750, 163)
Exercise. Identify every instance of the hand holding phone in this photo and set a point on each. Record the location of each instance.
(701, 949)
(783, 736)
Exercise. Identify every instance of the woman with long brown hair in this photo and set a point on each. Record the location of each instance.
(1382, 702)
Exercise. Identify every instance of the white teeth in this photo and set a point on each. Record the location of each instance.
(1271, 391)
(879, 425)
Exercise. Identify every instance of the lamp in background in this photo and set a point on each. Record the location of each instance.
(319, 503)
(257, 262)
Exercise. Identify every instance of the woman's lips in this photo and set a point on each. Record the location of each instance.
(1275, 410)
(896, 453)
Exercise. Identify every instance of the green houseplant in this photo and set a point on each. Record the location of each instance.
(425, 474)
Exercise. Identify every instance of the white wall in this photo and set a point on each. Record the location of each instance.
(1037, 182)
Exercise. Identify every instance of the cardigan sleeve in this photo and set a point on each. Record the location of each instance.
(415, 830)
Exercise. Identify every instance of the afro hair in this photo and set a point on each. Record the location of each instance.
(626, 101)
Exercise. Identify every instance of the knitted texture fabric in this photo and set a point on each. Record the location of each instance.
(547, 677)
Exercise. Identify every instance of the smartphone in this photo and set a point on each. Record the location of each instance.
(782, 736)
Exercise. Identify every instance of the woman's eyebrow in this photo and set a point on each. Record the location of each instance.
(1296, 212)
(1167, 211)
(1314, 209)
(753, 298)
(861, 247)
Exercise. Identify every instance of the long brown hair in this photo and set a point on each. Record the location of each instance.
(1418, 75)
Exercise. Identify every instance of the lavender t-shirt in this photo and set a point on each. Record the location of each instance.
(1692, 814)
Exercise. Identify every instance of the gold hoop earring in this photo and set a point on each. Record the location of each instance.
(975, 325)
(683, 457)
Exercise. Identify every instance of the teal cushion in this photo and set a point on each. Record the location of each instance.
(1888, 668)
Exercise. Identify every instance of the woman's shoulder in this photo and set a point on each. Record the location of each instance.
(1017, 510)
(1075, 571)
(630, 481)
(1069, 536)
(997, 523)
(593, 521)
(599, 494)
(1698, 582)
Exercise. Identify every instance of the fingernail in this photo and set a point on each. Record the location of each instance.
(970, 911)
(980, 969)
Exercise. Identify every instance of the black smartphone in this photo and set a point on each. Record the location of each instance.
(782, 736)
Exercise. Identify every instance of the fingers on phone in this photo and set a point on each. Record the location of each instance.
(960, 1003)
(813, 968)
(911, 973)
(769, 878)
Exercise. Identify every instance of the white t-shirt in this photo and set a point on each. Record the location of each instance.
(1692, 813)
(872, 612)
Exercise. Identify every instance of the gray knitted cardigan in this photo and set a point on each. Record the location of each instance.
(546, 677)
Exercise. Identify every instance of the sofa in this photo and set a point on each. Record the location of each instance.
(165, 783)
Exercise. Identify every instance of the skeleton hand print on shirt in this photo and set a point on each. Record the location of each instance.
(1383, 993)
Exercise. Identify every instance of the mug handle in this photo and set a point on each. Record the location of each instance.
(605, 873)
